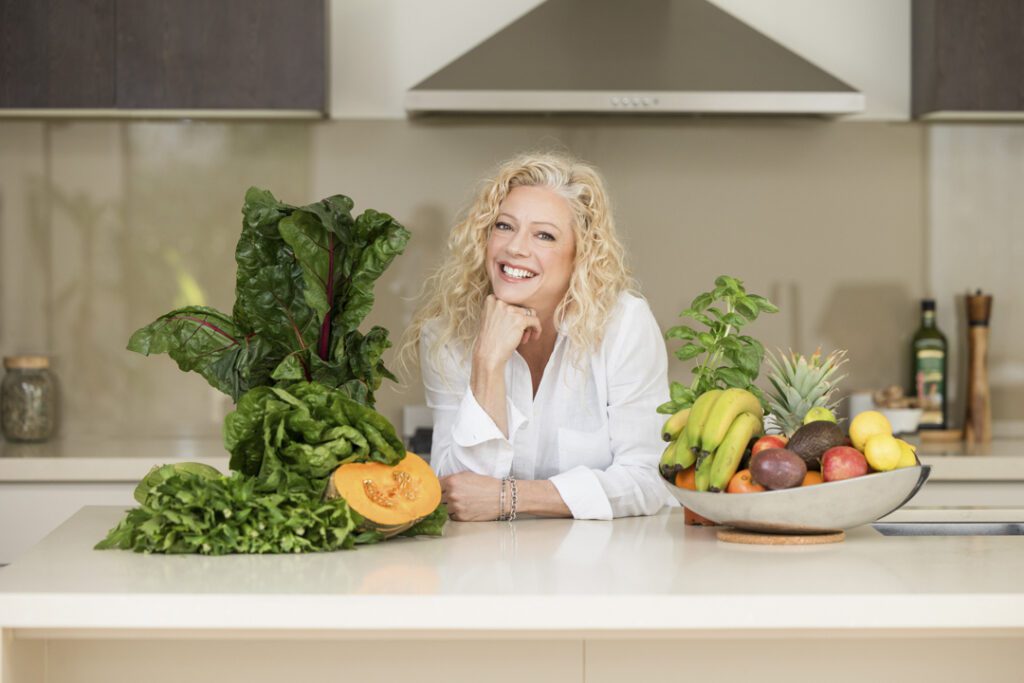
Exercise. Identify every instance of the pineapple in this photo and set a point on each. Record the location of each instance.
(799, 384)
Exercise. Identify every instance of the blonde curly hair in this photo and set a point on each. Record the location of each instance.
(455, 293)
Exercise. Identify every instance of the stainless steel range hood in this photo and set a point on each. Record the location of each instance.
(632, 57)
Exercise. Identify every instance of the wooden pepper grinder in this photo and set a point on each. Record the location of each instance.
(978, 421)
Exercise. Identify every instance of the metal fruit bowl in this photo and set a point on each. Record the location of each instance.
(816, 509)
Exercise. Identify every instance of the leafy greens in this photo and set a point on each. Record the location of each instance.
(302, 376)
(304, 284)
(730, 359)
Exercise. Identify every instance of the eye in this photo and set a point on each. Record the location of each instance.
(546, 236)
(501, 225)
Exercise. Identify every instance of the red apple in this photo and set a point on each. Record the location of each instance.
(769, 441)
(843, 462)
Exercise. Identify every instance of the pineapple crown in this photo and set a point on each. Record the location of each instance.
(800, 383)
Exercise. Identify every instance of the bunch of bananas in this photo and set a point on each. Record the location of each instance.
(712, 435)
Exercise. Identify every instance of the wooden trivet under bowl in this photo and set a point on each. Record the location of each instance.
(757, 538)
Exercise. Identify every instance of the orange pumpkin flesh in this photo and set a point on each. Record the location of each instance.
(390, 498)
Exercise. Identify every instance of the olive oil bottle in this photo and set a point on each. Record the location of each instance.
(928, 369)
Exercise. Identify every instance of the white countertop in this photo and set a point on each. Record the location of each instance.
(128, 459)
(103, 459)
(1000, 460)
(646, 574)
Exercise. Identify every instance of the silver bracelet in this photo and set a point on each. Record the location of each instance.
(501, 500)
(515, 499)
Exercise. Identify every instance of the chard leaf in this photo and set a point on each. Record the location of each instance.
(314, 249)
(380, 239)
(207, 341)
(291, 368)
(303, 285)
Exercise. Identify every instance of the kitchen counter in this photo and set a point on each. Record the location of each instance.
(103, 459)
(1000, 460)
(128, 460)
(536, 581)
(44, 484)
(534, 575)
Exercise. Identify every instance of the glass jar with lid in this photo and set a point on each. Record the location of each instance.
(28, 399)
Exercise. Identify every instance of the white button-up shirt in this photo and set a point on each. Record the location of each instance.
(591, 430)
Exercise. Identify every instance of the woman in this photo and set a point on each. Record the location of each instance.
(542, 368)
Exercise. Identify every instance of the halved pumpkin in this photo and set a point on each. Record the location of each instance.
(390, 498)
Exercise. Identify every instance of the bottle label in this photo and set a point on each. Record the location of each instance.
(930, 384)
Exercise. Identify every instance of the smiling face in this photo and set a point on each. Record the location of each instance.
(531, 248)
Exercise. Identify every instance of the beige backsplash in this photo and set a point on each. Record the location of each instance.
(104, 225)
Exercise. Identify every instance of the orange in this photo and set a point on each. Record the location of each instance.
(742, 483)
(812, 478)
(687, 478)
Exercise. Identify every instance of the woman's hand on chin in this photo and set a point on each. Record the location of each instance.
(471, 497)
(503, 327)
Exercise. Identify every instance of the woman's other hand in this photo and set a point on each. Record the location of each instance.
(503, 327)
(471, 497)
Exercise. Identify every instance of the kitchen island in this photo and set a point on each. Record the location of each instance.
(42, 485)
(536, 600)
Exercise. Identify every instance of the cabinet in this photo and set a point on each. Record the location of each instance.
(57, 53)
(147, 55)
(968, 58)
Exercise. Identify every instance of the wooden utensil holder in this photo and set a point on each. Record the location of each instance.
(978, 418)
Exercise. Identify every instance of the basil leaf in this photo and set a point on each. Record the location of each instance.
(702, 301)
(680, 332)
(763, 304)
(747, 309)
(688, 351)
(667, 408)
(749, 363)
(735, 320)
(732, 377)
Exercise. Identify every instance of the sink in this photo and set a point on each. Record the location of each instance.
(950, 528)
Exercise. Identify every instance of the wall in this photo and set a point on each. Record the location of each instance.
(976, 240)
(105, 225)
(863, 42)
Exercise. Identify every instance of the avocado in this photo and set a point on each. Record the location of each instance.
(812, 440)
(777, 468)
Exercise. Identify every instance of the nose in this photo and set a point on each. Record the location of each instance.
(519, 244)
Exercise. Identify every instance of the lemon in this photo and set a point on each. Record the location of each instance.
(907, 457)
(883, 452)
(866, 425)
(819, 413)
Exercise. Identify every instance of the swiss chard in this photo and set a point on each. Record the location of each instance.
(304, 284)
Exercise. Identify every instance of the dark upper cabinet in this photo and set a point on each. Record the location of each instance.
(968, 57)
(163, 55)
(57, 53)
(221, 54)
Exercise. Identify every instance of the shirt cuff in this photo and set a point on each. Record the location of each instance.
(583, 493)
(474, 426)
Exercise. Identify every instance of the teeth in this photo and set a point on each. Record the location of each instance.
(516, 272)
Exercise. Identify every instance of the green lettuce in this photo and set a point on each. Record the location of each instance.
(291, 439)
